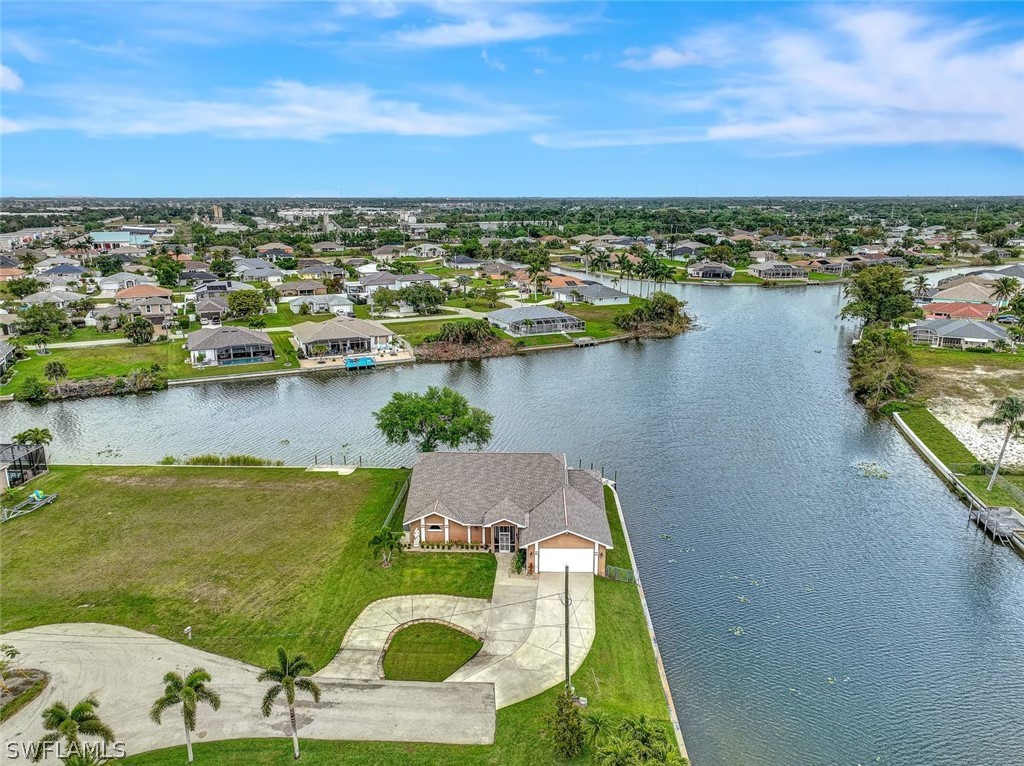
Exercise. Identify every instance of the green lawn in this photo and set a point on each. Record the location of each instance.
(113, 361)
(619, 677)
(428, 651)
(818, 276)
(416, 332)
(925, 356)
(249, 557)
(89, 333)
(475, 304)
(955, 455)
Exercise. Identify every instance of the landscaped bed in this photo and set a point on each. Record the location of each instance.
(246, 556)
(428, 651)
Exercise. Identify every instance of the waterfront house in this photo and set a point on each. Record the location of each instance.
(958, 333)
(321, 304)
(302, 287)
(595, 295)
(227, 346)
(8, 355)
(342, 336)
(534, 320)
(710, 270)
(777, 270)
(20, 463)
(109, 240)
(510, 501)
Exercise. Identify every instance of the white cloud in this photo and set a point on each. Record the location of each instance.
(491, 63)
(482, 25)
(9, 79)
(378, 9)
(281, 109)
(711, 46)
(25, 47)
(861, 77)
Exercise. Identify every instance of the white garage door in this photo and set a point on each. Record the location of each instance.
(555, 559)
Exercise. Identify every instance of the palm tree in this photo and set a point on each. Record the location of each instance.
(539, 281)
(1005, 288)
(597, 725)
(587, 253)
(257, 323)
(1009, 412)
(34, 437)
(385, 543)
(920, 286)
(187, 692)
(68, 725)
(55, 371)
(288, 676)
(601, 262)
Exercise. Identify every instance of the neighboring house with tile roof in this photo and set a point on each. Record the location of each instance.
(509, 501)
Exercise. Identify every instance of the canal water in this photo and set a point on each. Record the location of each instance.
(808, 613)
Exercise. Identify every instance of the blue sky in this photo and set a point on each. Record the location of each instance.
(501, 99)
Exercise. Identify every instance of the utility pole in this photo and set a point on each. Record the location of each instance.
(568, 684)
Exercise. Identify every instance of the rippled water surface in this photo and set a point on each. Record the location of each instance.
(877, 626)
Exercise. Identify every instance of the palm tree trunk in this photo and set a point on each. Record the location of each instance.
(999, 460)
(188, 743)
(295, 732)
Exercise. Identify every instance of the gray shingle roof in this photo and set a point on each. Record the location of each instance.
(527, 312)
(532, 489)
(226, 337)
(971, 329)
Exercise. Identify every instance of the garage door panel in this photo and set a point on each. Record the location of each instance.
(555, 559)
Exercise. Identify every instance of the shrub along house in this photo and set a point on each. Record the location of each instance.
(507, 502)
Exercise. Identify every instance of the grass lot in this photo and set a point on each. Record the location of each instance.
(112, 361)
(619, 677)
(88, 333)
(246, 556)
(428, 652)
(925, 356)
(818, 276)
(950, 451)
(416, 332)
(599, 319)
(475, 304)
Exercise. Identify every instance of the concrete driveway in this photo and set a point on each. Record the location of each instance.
(521, 627)
(124, 669)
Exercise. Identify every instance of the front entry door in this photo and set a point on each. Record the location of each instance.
(504, 540)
